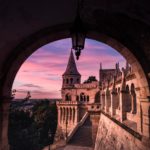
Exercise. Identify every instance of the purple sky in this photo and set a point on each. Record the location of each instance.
(41, 73)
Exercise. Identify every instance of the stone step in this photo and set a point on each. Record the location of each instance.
(83, 136)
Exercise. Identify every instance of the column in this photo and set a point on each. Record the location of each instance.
(69, 115)
(107, 100)
(4, 114)
(102, 102)
(76, 115)
(72, 115)
(59, 118)
(145, 108)
(61, 115)
(106, 109)
(122, 105)
(133, 102)
(113, 102)
(64, 113)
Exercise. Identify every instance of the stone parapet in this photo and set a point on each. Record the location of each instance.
(109, 132)
(145, 106)
(67, 102)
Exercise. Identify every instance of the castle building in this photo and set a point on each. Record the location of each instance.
(114, 97)
(72, 88)
(77, 99)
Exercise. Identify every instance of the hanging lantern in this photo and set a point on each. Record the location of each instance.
(78, 34)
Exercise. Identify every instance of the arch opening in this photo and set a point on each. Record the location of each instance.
(124, 51)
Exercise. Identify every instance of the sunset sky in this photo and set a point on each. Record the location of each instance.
(41, 73)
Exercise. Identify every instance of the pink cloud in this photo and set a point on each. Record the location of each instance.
(45, 68)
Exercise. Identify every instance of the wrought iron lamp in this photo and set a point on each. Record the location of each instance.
(78, 34)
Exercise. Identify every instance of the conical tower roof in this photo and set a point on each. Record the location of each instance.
(71, 67)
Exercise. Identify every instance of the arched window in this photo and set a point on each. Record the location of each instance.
(77, 98)
(78, 80)
(82, 97)
(127, 88)
(87, 98)
(68, 97)
(67, 81)
(92, 107)
(71, 80)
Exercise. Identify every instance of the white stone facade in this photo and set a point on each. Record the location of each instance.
(116, 94)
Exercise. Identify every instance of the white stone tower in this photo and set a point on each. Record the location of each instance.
(71, 76)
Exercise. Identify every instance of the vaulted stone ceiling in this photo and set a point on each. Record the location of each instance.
(24, 22)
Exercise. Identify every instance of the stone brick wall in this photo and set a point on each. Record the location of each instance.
(112, 136)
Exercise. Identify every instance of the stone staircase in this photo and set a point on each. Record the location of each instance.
(83, 136)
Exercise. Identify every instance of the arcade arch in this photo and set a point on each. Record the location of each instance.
(23, 51)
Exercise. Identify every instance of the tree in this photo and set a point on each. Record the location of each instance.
(33, 132)
(90, 79)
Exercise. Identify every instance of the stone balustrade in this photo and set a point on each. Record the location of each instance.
(66, 102)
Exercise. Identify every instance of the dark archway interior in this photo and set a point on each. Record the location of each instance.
(25, 26)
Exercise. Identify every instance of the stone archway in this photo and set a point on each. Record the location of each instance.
(27, 47)
(24, 50)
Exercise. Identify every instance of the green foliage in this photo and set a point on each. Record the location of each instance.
(33, 132)
(90, 79)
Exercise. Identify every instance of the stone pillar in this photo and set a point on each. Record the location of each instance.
(4, 114)
(145, 114)
(105, 108)
(69, 116)
(59, 118)
(122, 105)
(65, 115)
(133, 102)
(61, 115)
(102, 101)
(107, 101)
(113, 103)
(64, 112)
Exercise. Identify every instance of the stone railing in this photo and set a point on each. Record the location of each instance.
(70, 135)
(123, 126)
(67, 102)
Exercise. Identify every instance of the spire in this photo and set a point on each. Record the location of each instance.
(100, 66)
(71, 67)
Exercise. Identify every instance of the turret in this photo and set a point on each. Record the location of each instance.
(71, 76)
